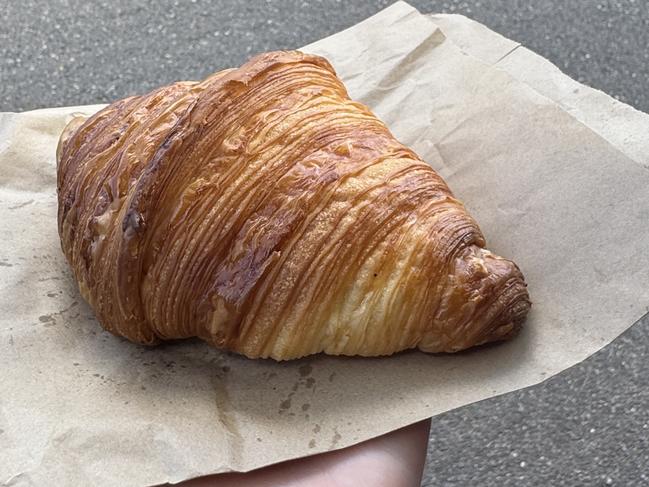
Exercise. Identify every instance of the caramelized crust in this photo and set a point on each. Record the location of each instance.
(265, 212)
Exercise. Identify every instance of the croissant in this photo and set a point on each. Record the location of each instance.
(266, 213)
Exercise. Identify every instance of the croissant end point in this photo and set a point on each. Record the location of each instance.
(511, 321)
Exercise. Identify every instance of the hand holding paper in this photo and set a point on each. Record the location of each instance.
(395, 459)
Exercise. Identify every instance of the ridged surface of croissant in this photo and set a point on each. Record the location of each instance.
(265, 212)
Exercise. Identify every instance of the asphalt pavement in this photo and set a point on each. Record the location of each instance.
(586, 426)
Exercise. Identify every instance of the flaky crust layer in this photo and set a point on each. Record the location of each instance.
(265, 212)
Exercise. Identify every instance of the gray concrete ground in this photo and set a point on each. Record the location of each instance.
(589, 425)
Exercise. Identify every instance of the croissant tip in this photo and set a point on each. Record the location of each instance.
(510, 323)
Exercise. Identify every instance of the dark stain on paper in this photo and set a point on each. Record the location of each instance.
(335, 439)
(285, 404)
(305, 370)
(50, 319)
(43, 279)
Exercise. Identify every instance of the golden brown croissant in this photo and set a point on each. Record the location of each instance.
(265, 212)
